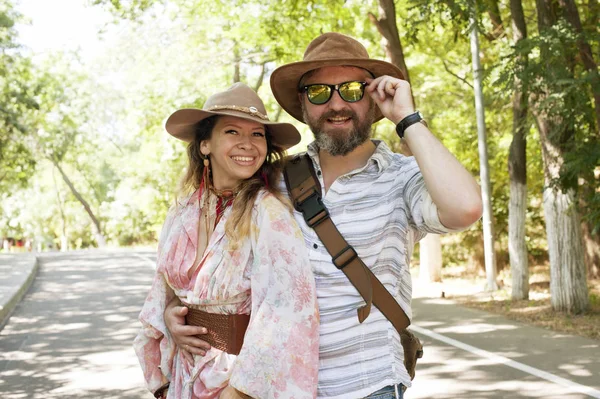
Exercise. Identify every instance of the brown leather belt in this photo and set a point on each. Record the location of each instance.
(225, 331)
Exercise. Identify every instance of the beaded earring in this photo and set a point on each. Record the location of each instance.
(206, 172)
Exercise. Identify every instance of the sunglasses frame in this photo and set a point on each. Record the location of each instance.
(334, 88)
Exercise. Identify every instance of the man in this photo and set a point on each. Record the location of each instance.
(381, 202)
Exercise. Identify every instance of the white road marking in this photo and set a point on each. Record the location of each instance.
(497, 359)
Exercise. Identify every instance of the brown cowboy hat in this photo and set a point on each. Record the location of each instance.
(329, 49)
(240, 101)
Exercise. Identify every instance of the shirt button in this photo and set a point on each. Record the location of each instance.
(315, 246)
(319, 172)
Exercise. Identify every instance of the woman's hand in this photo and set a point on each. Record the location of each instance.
(183, 335)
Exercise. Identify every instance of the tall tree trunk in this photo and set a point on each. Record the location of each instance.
(236, 62)
(517, 168)
(64, 241)
(571, 14)
(430, 269)
(495, 17)
(568, 281)
(486, 191)
(591, 246)
(387, 27)
(593, 14)
(259, 81)
(98, 230)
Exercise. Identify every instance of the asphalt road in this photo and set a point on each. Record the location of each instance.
(71, 335)
(71, 338)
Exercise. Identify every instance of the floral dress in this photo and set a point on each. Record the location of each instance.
(267, 275)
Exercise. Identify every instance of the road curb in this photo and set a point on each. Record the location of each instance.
(9, 302)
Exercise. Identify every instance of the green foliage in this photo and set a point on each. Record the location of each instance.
(105, 125)
(17, 103)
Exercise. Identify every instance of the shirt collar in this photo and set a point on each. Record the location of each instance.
(378, 162)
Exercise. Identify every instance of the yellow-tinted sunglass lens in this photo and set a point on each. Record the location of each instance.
(352, 91)
(318, 94)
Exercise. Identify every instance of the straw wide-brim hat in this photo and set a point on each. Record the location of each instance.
(329, 49)
(240, 101)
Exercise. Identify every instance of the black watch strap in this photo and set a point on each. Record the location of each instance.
(411, 119)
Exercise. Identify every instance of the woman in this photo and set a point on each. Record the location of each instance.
(231, 249)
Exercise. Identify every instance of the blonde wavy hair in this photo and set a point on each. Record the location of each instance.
(239, 222)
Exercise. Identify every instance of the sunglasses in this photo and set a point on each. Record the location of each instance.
(320, 93)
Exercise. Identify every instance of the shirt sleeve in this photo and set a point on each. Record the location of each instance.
(422, 211)
(153, 344)
(279, 358)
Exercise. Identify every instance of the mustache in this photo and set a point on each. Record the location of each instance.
(339, 114)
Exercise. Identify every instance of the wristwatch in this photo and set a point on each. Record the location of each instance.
(411, 119)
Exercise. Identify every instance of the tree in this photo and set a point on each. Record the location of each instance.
(488, 224)
(430, 247)
(550, 102)
(17, 103)
(517, 163)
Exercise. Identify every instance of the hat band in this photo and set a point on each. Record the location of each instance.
(247, 110)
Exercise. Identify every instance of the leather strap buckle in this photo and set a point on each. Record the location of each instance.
(312, 209)
(346, 258)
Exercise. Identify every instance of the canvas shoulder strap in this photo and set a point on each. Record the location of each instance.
(305, 192)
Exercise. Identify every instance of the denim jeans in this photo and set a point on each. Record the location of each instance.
(387, 393)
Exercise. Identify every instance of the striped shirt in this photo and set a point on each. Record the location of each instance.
(382, 210)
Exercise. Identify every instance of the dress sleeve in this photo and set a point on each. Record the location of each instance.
(153, 344)
(279, 358)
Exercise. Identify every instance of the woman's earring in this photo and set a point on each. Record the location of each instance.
(206, 172)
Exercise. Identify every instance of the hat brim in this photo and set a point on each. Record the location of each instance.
(182, 125)
(285, 79)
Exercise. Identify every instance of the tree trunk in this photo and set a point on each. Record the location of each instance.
(591, 246)
(98, 231)
(64, 241)
(568, 282)
(496, 18)
(593, 14)
(571, 14)
(430, 268)
(387, 27)
(259, 81)
(517, 168)
(236, 63)
(486, 191)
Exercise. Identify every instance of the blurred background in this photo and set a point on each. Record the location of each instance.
(85, 87)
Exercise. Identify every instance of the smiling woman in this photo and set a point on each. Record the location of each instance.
(231, 252)
(237, 148)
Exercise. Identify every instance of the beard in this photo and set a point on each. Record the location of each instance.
(339, 142)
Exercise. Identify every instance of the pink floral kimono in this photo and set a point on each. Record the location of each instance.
(267, 275)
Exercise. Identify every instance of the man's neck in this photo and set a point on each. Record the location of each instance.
(333, 167)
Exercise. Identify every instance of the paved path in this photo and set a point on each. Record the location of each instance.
(473, 354)
(17, 273)
(71, 337)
